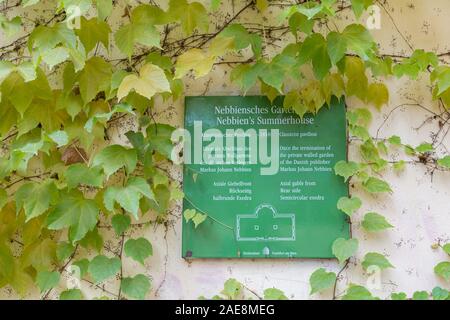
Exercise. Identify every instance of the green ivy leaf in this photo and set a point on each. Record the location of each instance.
(191, 15)
(321, 280)
(314, 49)
(79, 173)
(75, 212)
(420, 295)
(444, 162)
(376, 259)
(346, 169)
(359, 6)
(136, 287)
(242, 38)
(128, 197)
(375, 185)
(64, 250)
(83, 266)
(446, 248)
(94, 78)
(355, 38)
(136, 33)
(374, 222)
(418, 62)
(349, 205)
(36, 198)
(93, 31)
(114, 157)
(102, 268)
(442, 269)
(103, 118)
(355, 292)
(344, 249)
(399, 296)
(232, 289)
(120, 223)
(424, 147)
(47, 280)
(395, 140)
(440, 294)
(138, 249)
(274, 294)
(71, 294)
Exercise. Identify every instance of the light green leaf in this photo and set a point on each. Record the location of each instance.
(136, 33)
(359, 6)
(136, 287)
(47, 280)
(424, 147)
(374, 222)
(79, 173)
(274, 72)
(376, 259)
(36, 198)
(71, 294)
(114, 157)
(346, 169)
(349, 205)
(442, 269)
(189, 214)
(321, 280)
(232, 289)
(199, 219)
(83, 266)
(10, 27)
(355, 292)
(120, 223)
(395, 140)
(375, 185)
(355, 38)
(102, 268)
(242, 38)
(64, 250)
(274, 294)
(75, 212)
(446, 248)
(444, 162)
(314, 49)
(105, 117)
(420, 295)
(104, 8)
(440, 294)
(93, 31)
(344, 249)
(191, 15)
(138, 249)
(418, 62)
(399, 296)
(128, 197)
(94, 78)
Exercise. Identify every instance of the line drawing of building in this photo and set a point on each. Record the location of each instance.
(265, 224)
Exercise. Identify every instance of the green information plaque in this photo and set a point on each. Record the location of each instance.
(264, 177)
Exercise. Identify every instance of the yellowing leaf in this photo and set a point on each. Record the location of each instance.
(151, 80)
(262, 5)
(378, 94)
(196, 60)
